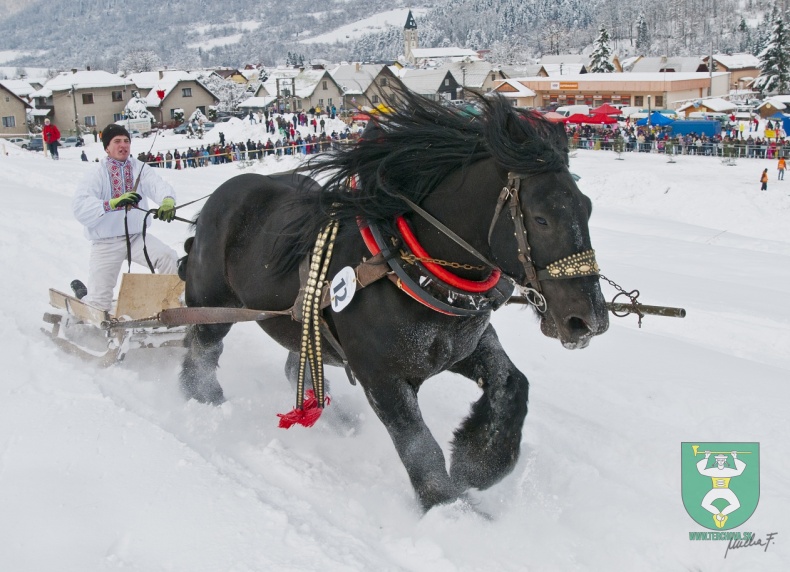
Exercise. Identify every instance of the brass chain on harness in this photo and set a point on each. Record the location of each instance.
(411, 259)
(310, 348)
(632, 308)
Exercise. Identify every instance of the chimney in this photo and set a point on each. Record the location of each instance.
(87, 68)
(356, 65)
(73, 70)
(161, 74)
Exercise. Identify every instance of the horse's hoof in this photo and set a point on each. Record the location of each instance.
(211, 397)
(462, 507)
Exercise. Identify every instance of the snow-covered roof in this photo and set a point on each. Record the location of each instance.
(737, 61)
(307, 81)
(257, 102)
(24, 102)
(781, 98)
(777, 102)
(423, 81)
(251, 74)
(564, 59)
(674, 64)
(553, 70)
(470, 74)
(167, 82)
(528, 70)
(355, 79)
(451, 52)
(629, 77)
(716, 104)
(628, 63)
(517, 89)
(18, 87)
(279, 73)
(81, 80)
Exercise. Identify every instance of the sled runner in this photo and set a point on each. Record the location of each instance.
(105, 338)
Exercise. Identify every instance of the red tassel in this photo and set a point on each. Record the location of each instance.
(307, 415)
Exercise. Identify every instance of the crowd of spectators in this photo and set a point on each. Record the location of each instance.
(771, 143)
(292, 134)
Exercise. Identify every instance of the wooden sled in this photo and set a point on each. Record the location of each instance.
(105, 338)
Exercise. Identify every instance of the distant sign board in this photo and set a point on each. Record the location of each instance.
(565, 85)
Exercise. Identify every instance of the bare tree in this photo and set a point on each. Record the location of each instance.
(140, 61)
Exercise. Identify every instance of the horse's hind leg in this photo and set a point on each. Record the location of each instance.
(486, 445)
(199, 368)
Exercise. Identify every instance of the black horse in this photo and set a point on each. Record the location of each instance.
(499, 181)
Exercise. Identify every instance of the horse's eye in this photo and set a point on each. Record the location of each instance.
(541, 220)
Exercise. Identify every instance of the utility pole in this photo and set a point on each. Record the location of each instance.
(76, 117)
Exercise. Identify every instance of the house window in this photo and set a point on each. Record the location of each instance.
(383, 82)
(639, 100)
(324, 86)
(374, 99)
(117, 96)
(87, 98)
(9, 121)
(90, 121)
(447, 82)
(493, 77)
(117, 117)
(659, 101)
(172, 113)
(321, 103)
(186, 92)
(202, 109)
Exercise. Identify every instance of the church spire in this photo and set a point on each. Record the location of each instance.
(409, 37)
(411, 23)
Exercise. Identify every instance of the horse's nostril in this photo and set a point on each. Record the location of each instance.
(577, 325)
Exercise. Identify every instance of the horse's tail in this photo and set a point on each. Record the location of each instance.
(182, 262)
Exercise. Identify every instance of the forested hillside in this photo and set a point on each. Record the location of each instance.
(77, 33)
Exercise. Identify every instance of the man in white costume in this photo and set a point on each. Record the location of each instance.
(720, 476)
(104, 200)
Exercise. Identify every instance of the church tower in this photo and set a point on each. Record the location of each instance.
(409, 37)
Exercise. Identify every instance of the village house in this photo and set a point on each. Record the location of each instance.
(709, 105)
(643, 90)
(13, 112)
(364, 85)
(303, 89)
(475, 76)
(78, 101)
(743, 68)
(167, 91)
(432, 83)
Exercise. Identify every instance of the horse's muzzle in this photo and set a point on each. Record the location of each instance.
(577, 321)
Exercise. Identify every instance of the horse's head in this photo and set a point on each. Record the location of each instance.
(554, 214)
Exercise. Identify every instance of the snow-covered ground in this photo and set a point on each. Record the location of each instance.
(111, 469)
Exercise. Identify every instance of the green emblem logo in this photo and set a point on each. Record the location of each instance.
(720, 482)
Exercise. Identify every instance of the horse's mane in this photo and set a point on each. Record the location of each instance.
(409, 151)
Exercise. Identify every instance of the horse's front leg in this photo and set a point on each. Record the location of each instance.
(395, 403)
(486, 445)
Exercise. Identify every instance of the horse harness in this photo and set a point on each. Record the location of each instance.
(403, 261)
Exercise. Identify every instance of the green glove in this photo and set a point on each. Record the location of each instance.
(125, 200)
(167, 210)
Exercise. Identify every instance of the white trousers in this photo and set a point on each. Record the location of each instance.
(107, 256)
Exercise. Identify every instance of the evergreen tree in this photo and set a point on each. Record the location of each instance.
(601, 57)
(775, 61)
(642, 35)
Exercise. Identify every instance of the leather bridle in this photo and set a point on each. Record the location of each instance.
(572, 266)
